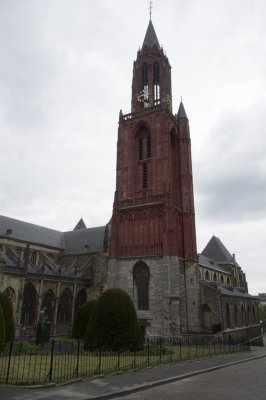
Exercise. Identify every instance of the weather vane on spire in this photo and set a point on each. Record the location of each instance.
(150, 8)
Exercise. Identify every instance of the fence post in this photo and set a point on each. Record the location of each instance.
(118, 360)
(134, 359)
(50, 374)
(100, 360)
(160, 354)
(9, 361)
(77, 367)
(148, 360)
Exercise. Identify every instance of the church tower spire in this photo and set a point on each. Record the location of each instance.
(151, 84)
(150, 39)
(153, 252)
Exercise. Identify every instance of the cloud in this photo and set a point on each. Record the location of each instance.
(231, 174)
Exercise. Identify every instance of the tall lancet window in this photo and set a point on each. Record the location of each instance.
(144, 95)
(141, 278)
(156, 84)
(143, 149)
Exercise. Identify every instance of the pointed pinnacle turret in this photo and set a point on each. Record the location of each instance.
(80, 225)
(150, 39)
(181, 111)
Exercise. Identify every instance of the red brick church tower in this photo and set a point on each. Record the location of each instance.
(153, 252)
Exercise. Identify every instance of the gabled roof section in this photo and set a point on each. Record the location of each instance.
(80, 225)
(216, 250)
(26, 232)
(150, 39)
(181, 111)
(211, 264)
(83, 241)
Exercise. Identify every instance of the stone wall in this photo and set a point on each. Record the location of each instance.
(168, 289)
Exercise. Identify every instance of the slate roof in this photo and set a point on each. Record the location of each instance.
(228, 290)
(80, 225)
(150, 39)
(84, 241)
(217, 251)
(181, 111)
(26, 232)
(79, 241)
(211, 264)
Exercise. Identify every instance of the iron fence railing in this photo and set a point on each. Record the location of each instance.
(26, 363)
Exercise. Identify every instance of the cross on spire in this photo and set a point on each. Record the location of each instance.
(150, 8)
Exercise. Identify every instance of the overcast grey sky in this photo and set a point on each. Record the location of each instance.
(65, 72)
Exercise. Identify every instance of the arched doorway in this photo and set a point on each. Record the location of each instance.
(206, 317)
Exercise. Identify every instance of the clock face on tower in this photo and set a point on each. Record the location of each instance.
(143, 96)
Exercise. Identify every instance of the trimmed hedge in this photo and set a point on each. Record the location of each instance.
(113, 323)
(82, 319)
(2, 329)
(9, 318)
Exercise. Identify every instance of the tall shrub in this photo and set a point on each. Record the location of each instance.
(8, 316)
(2, 329)
(113, 323)
(82, 319)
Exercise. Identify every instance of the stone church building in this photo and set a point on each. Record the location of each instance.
(149, 247)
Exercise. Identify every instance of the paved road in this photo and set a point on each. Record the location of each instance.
(244, 381)
(121, 385)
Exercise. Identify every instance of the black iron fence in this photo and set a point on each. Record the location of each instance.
(26, 363)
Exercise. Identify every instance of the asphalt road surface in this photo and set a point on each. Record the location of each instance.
(246, 381)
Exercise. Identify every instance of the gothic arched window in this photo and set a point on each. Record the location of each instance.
(248, 315)
(143, 149)
(141, 277)
(10, 293)
(49, 303)
(242, 315)
(29, 305)
(235, 315)
(64, 308)
(81, 298)
(156, 83)
(144, 74)
(228, 317)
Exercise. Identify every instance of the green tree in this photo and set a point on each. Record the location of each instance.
(2, 329)
(262, 312)
(113, 323)
(82, 319)
(8, 316)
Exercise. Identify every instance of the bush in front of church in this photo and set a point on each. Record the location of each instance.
(82, 319)
(114, 324)
(2, 329)
(8, 317)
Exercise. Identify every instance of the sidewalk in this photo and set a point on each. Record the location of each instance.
(118, 385)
